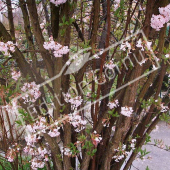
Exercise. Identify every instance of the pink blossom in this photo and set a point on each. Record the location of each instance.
(58, 49)
(96, 140)
(165, 11)
(6, 47)
(77, 122)
(113, 104)
(148, 45)
(54, 132)
(31, 139)
(16, 75)
(157, 22)
(13, 107)
(33, 92)
(75, 102)
(110, 65)
(42, 25)
(125, 45)
(164, 108)
(139, 44)
(67, 152)
(117, 4)
(35, 163)
(58, 2)
(167, 55)
(126, 111)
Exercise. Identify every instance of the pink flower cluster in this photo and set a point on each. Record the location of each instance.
(96, 138)
(110, 65)
(77, 122)
(164, 108)
(11, 108)
(15, 75)
(6, 47)
(125, 46)
(121, 153)
(133, 143)
(66, 151)
(1, 5)
(58, 2)
(41, 127)
(126, 111)
(117, 4)
(33, 92)
(113, 104)
(58, 49)
(54, 132)
(39, 156)
(158, 21)
(11, 152)
(75, 102)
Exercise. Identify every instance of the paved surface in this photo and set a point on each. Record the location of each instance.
(160, 159)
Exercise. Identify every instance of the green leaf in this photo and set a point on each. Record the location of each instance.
(147, 168)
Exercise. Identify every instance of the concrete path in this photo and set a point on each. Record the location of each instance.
(160, 159)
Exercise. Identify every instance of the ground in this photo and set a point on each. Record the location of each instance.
(160, 159)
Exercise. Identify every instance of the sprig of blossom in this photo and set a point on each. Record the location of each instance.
(16, 75)
(39, 156)
(121, 153)
(164, 108)
(6, 47)
(113, 104)
(11, 108)
(96, 138)
(33, 92)
(126, 111)
(12, 151)
(66, 151)
(110, 65)
(58, 2)
(158, 21)
(77, 121)
(117, 4)
(75, 102)
(125, 45)
(42, 153)
(54, 132)
(58, 49)
(133, 143)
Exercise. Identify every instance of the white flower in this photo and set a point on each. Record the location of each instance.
(167, 55)
(58, 49)
(148, 44)
(54, 132)
(126, 111)
(139, 44)
(164, 108)
(16, 75)
(58, 2)
(125, 45)
(33, 92)
(113, 104)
